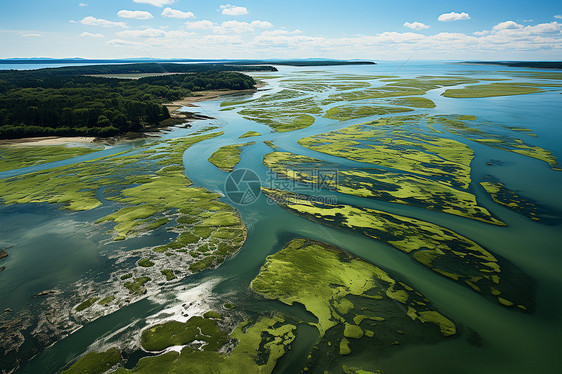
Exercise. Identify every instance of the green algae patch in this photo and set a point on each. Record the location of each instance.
(159, 337)
(258, 347)
(383, 143)
(212, 314)
(355, 315)
(487, 134)
(344, 347)
(137, 286)
(286, 110)
(348, 112)
(157, 223)
(414, 102)
(441, 250)
(169, 274)
(492, 90)
(373, 93)
(249, 134)
(227, 157)
(16, 157)
(86, 304)
(347, 370)
(322, 278)
(352, 331)
(519, 204)
(126, 276)
(95, 362)
(106, 300)
(280, 122)
(145, 263)
(270, 144)
(396, 87)
(445, 325)
(504, 301)
(380, 184)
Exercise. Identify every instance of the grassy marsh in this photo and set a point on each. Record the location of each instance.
(442, 250)
(382, 143)
(228, 156)
(259, 345)
(492, 90)
(347, 112)
(95, 362)
(353, 300)
(15, 157)
(381, 184)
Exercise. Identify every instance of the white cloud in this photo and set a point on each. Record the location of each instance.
(416, 25)
(233, 10)
(233, 40)
(279, 32)
(158, 3)
(558, 16)
(90, 35)
(544, 28)
(174, 13)
(92, 21)
(136, 14)
(82, 4)
(122, 43)
(146, 33)
(528, 20)
(507, 25)
(223, 39)
(453, 16)
(239, 27)
(150, 33)
(200, 25)
(30, 35)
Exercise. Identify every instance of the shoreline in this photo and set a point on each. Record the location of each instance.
(173, 107)
(200, 96)
(47, 140)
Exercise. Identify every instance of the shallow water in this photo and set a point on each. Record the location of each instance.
(55, 248)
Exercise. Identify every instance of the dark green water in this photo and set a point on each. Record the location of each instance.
(58, 249)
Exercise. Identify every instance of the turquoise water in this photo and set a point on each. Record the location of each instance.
(54, 248)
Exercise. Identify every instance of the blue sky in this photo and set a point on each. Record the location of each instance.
(366, 29)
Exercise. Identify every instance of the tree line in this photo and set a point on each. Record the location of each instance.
(52, 102)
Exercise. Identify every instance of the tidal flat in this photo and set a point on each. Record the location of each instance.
(434, 249)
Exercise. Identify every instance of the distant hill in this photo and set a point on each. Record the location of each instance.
(521, 64)
(78, 61)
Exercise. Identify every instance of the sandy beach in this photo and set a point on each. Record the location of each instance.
(172, 107)
(47, 140)
(204, 96)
